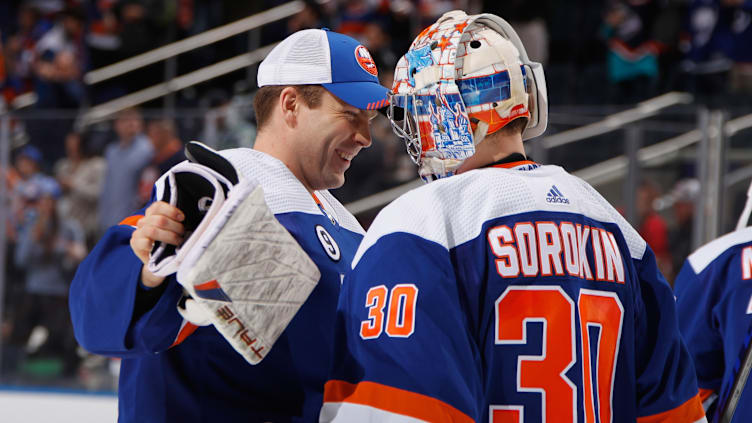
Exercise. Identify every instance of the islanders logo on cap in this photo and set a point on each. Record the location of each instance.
(365, 60)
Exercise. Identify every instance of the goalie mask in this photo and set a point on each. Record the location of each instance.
(463, 78)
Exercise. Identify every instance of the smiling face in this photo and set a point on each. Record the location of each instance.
(328, 138)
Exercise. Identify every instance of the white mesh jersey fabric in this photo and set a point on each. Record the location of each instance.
(343, 216)
(456, 208)
(635, 242)
(350, 412)
(302, 58)
(705, 255)
(282, 191)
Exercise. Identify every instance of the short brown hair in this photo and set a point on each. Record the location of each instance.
(266, 97)
(516, 126)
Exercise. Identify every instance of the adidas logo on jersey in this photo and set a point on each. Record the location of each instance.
(555, 196)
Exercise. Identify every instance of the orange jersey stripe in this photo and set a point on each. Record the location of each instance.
(185, 331)
(393, 400)
(514, 164)
(690, 411)
(705, 394)
(131, 220)
(213, 284)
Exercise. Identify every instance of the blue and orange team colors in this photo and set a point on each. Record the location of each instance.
(513, 293)
(175, 372)
(714, 303)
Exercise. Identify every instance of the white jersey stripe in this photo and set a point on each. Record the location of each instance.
(345, 412)
(465, 198)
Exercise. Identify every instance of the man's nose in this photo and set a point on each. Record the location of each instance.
(363, 133)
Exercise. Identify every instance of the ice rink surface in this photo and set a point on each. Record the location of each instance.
(28, 406)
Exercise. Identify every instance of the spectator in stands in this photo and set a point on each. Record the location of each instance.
(10, 353)
(684, 196)
(577, 56)
(651, 226)
(10, 177)
(528, 18)
(80, 175)
(741, 70)
(103, 41)
(58, 69)
(378, 42)
(308, 18)
(138, 34)
(51, 7)
(32, 180)
(712, 30)
(226, 127)
(103, 33)
(59, 62)
(632, 52)
(19, 48)
(126, 159)
(49, 249)
(168, 151)
(355, 15)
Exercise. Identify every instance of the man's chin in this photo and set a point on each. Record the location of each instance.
(331, 182)
(337, 182)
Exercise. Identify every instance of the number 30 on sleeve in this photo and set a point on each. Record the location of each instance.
(400, 316)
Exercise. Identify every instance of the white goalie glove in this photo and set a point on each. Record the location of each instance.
(245, 273)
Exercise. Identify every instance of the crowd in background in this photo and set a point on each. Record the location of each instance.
(68, 183)
(595, 51)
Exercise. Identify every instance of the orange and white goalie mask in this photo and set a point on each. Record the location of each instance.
(463, 78)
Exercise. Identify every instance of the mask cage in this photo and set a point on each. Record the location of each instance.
(404, 125)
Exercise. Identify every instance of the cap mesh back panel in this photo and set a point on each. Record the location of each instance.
(306, 60)
(301, 59)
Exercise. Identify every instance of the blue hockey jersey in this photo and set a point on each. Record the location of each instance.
(513, 293)
(714, 300)
(169, 376)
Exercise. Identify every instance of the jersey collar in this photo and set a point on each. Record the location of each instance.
(514, 161)
(330, 216)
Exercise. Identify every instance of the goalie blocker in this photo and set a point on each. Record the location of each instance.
(244, 273)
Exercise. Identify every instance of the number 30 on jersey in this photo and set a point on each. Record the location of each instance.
(400, 315)
(550, 305)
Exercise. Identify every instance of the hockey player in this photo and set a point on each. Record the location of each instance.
(714, 300)
(318, 91)
(511, 291)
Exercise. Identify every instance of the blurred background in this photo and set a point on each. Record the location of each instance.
(649, 102)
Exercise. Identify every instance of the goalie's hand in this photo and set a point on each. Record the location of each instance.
(161, 222)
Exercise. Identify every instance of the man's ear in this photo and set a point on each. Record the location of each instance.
(289, 104)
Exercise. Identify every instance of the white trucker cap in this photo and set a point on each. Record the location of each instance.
(337, 62)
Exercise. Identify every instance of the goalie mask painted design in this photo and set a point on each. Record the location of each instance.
(463, 78)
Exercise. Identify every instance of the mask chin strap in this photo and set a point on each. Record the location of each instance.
(432, 168)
